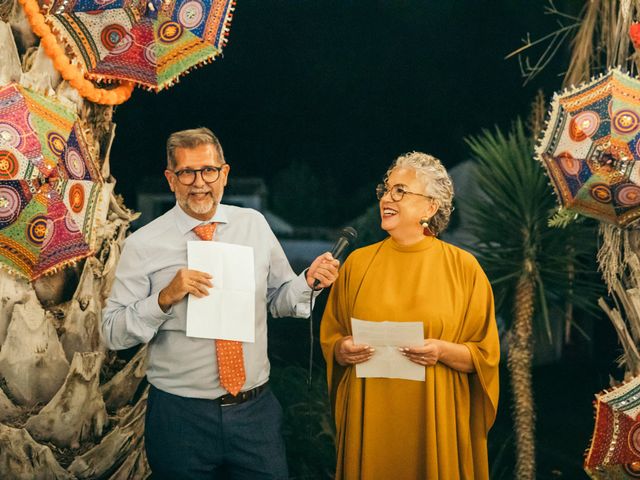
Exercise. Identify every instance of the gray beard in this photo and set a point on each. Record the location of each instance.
(199, 209)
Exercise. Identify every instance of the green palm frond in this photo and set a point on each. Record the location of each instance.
(510, 219)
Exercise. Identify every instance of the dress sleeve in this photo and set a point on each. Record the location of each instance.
(336, 324)
(481, 338)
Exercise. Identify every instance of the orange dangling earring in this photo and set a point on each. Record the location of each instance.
(426, 231)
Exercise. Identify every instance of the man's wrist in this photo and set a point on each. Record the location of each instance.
(308, 278)
(163, 302)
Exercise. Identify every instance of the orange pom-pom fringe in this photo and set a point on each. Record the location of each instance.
(634, 34)
(71, 73)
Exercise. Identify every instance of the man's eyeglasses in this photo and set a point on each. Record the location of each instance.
(397, 192)
(187, 176)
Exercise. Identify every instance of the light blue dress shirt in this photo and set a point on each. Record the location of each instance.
(150, 259)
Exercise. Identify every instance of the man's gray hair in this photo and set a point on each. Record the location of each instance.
(191, 138)
(436, 184)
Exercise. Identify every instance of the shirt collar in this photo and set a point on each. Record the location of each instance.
(186, 222)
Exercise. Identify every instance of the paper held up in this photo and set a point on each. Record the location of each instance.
(228, 312)
(385, 338)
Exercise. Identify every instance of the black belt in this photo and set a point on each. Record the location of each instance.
(241, 397)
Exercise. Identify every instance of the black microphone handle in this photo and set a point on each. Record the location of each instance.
(337, 250)
(348, 235)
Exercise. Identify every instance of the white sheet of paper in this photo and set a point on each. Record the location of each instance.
(385, 338)
(228, 312)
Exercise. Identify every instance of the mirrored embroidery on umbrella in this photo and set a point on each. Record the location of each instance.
(50, 186)
(149, 42)
(591, 148)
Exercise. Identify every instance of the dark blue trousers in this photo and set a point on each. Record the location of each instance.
(194, 439)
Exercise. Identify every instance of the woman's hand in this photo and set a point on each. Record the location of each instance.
(428, 354)
(348, 353)
(453, 355)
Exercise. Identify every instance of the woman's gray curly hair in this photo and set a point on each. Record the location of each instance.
(436, 181)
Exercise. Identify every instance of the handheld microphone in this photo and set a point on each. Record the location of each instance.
(347, 237)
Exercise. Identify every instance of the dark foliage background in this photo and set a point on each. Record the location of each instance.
(318, 97)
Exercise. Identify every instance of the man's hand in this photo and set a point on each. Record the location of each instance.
(324, 269)
(348, 353)
(186, 281)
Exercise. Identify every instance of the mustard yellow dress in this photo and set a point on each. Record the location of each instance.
(403, 429)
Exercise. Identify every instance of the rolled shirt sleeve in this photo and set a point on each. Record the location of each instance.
(132, 314)
(292, 300)
(287, 294)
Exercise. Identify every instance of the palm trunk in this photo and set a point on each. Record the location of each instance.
(519, 363)
(65, 412)
(568, 312)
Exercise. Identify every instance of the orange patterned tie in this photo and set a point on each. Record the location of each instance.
(229, 352)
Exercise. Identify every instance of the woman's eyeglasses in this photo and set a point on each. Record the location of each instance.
(397, 192)
(188, 175)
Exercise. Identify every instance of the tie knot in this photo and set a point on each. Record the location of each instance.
(206, 231)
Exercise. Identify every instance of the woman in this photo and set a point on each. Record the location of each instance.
(391, 428)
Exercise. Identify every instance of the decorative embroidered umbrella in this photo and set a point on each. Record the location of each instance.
(615, 446)
(150, 42)
(591, 146)
(50, 186)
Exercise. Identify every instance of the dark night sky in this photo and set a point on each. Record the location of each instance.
(343, 87)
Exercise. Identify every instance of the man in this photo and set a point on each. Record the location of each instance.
(203, 415)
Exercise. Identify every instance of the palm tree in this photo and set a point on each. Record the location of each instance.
(68, 408)
(530, 264)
